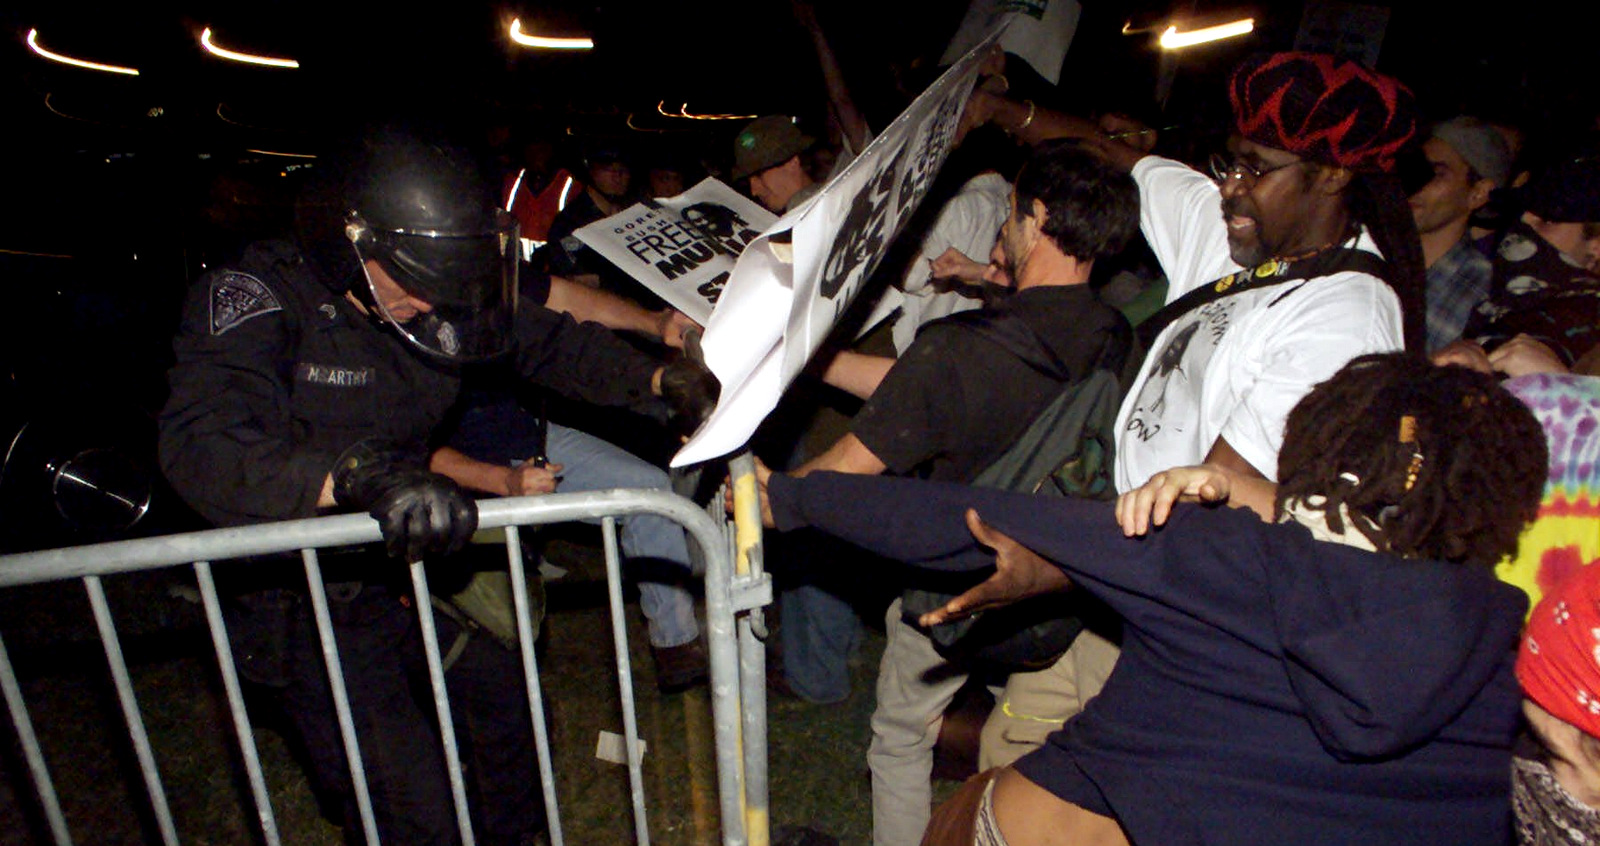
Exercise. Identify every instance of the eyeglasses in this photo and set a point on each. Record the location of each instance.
(1225, 171)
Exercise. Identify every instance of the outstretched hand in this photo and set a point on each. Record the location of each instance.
(1020, 573)
(1150, 504)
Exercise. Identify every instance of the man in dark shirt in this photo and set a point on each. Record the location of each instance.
(959, 397)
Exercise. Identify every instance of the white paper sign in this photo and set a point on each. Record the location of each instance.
(1040, 31)
(793, 282)
(681, 248)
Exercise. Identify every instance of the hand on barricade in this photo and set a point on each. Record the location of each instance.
(1020, 573)
(420, 512)
(763, 473)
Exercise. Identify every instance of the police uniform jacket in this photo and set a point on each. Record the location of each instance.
(276, 375)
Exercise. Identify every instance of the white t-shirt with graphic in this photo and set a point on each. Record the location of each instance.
(1234, 367)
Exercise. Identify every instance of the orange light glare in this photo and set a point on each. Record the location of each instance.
(222, 53)
(683, 112)
(1172, 39)
(542, 43)
(280, 153)
(33, 44)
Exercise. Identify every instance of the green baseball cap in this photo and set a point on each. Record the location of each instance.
(767, 142)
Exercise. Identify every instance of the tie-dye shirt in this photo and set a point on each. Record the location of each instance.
(1566, 534)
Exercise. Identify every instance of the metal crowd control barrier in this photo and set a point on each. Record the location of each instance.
(735, 590)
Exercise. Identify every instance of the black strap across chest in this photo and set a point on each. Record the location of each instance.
(1337, 260)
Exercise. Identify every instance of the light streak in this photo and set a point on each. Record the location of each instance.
(33, 44)
(545, 43)
(213, 49)
(1172, 39)
(683, 112)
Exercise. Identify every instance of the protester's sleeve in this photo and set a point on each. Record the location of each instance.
(1207, 570)
(586, 361)
(227, 443)
(1180, 214)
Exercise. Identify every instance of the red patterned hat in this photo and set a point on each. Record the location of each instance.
(1559, 664)
(1323, 108)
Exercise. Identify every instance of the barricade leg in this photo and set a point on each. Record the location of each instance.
(236, 709)
(130, 710)
(526, 637)
(43, 786)
(630, 722)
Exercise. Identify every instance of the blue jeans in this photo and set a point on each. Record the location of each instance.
(502, 431)
(820, 632)
(590, 464)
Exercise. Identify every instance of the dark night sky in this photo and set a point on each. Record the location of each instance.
(719, 55)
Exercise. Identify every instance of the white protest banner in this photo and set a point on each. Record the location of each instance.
(794, 281)
(1039, 31)
(682, 248)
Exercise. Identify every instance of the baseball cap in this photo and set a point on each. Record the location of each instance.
(1480, 145)
(766, 142)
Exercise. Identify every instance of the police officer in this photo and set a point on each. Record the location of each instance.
(310, 376)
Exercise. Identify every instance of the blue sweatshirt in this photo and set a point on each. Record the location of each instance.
(1272, 688)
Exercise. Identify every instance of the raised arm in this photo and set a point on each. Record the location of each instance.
(841, 107)
(1032, 123)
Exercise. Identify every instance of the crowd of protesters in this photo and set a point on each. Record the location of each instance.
(1366, 344)
(1402, 369)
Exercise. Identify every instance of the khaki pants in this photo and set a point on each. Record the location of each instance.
(1035, 704)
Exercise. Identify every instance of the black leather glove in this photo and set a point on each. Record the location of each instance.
(420, 512)
(691, 393)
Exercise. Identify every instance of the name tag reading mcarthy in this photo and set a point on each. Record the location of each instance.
(334, 376)
(237, 297)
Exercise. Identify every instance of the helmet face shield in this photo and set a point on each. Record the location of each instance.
(450, 294)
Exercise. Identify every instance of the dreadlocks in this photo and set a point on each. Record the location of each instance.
(1428, 462)
(1377, 200)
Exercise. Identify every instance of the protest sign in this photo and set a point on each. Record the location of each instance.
(1039, 31)
(792, 283)
(681, 248)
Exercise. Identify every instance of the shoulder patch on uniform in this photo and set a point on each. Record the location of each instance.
(237, 297)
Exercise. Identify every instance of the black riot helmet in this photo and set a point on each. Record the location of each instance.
(404, 219)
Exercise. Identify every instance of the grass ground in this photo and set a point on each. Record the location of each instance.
(817, 761)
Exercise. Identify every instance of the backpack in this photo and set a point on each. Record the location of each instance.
(1068, 450)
